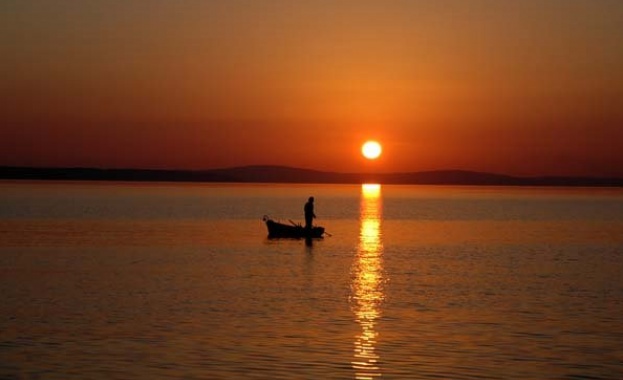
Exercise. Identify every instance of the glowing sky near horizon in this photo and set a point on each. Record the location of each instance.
(516, 87)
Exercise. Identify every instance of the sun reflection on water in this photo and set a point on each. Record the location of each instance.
(367, 283)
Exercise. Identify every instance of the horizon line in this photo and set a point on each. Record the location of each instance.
(319, 171)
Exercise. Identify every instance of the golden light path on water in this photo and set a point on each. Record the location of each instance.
(367, 283)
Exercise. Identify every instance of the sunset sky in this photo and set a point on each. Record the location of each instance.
(513, 87)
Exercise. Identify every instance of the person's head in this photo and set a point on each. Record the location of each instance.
(311, 199)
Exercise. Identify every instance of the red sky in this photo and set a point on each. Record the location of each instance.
(525, 88)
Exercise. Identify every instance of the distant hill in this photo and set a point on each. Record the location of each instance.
(283, 174)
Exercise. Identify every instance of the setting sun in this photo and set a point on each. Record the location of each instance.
(371, 150)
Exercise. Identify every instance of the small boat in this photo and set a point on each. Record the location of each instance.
(292, 230)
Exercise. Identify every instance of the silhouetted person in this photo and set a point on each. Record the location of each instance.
(309, 213)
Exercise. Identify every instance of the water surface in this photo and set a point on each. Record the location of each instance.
(157, 280)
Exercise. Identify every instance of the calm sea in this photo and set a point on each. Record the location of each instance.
(178, 281)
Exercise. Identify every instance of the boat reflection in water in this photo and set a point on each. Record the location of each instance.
(367, 286)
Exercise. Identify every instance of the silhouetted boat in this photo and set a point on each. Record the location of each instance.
(292, 230)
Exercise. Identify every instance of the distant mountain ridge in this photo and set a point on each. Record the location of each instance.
(285, 174)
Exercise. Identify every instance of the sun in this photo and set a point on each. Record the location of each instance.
(371, 150)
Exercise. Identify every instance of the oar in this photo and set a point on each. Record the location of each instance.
(328, 233)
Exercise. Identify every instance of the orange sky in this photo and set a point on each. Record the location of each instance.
(527, 88)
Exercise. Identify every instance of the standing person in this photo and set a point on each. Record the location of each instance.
(309, 213)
